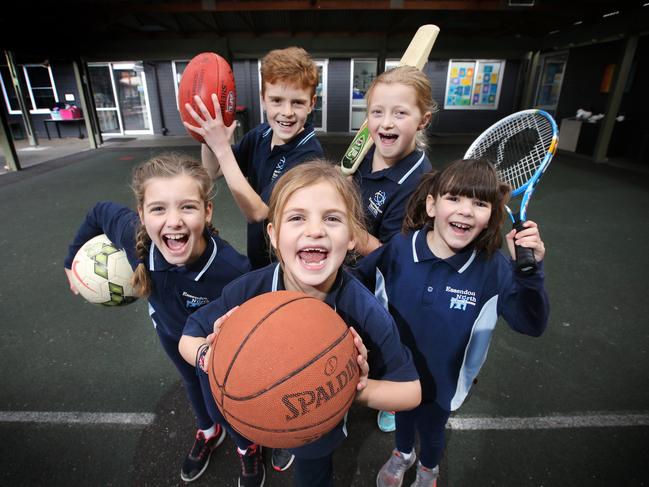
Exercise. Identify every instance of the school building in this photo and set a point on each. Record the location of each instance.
(120, 62)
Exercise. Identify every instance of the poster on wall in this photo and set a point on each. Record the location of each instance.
(473, 84)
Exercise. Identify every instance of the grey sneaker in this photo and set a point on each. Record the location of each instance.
(392, 472)
(281, 459)
(426, 477)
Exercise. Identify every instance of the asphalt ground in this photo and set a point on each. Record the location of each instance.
(88, 398)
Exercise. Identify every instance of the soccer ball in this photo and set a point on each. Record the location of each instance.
(102, 274)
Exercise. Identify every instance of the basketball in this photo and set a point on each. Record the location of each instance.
(102, 274)
(205, 74)
(283, 370)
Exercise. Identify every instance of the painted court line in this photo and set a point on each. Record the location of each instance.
(456, 423)
(75, 417)
(550, 422)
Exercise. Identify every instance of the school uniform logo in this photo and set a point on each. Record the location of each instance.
(376, 202)
(278, 168)
(194, 302)
(460, 298)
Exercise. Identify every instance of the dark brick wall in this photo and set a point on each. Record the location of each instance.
(338, 95)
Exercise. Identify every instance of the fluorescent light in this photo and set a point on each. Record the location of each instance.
(579, 22)
(610, 14)
(553, 32)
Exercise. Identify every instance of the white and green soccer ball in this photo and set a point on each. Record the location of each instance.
(102, 274)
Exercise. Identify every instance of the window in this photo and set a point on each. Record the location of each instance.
(318, 116)
(40, 95)
(41, 88)
(473, 84)
(391, 63)
(8, 91)
(178, 68)
(363, 73)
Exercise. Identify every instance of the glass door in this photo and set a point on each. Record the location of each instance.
(121, 98)
(104, 96)
(130, 88)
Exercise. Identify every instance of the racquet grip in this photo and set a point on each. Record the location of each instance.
(525, 261)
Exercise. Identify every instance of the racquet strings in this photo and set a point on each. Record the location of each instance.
(517, 147)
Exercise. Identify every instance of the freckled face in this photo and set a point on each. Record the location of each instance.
(287, 108)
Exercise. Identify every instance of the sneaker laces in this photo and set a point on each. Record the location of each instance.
(250, 461)
(200, 446)
(398, 465)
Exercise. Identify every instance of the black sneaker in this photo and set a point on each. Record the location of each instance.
(199, 456)
(281, 459)
(253, 472)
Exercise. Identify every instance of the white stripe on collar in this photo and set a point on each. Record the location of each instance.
(209, 261)
(267, 132)
(275, 278)
(414, 248)
(152, 257)
(415, 166)
(468, 262)
(306, 138)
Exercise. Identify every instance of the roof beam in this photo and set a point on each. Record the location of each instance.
(260, 5)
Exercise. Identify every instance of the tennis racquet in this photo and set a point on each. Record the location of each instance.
(521, 147)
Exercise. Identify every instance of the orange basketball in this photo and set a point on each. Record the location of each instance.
(205, 74)
(283, 370)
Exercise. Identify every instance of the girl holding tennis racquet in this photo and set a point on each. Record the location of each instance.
(446, 283)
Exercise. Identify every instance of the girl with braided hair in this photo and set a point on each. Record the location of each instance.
(180, 264)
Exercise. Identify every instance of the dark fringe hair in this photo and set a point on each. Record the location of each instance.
(473, 178)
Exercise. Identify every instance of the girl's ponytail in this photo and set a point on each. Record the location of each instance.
(166, 165)
(416, 215)
(141, 280)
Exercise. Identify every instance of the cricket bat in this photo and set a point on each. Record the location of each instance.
(416, 55)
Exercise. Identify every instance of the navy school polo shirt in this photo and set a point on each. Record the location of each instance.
(385, 193)
(177, 291)
(263, 166)
(446, 309)
(387, 357)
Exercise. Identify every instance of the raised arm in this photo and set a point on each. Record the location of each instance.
(222, 161)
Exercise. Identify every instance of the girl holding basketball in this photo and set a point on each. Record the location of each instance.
(314, 221)
(446, 283)
(180, 264)
(399, 108)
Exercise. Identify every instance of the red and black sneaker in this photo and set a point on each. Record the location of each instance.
(253, 471)
(199, 457)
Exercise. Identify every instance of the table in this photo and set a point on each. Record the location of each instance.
(57, 122)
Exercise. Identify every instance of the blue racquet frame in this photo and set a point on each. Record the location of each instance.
(521, 147)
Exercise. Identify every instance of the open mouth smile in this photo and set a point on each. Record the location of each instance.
(313, 257)
(175, 241)
(388, 138)
(460, 227)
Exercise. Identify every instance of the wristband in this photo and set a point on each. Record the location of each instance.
(200, 356)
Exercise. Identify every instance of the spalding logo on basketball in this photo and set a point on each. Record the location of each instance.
(205, 74)
(283, 370)
(102, 274)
